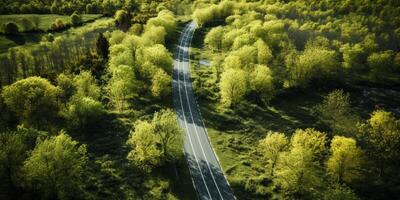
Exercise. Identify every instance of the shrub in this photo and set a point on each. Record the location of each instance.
(11, 28)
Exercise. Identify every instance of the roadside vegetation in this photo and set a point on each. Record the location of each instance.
(297, 94)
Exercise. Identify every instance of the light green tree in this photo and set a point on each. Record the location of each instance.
(83, 111)
(157, 142)
(298, 170)
(157, 55)
(56, 167)
(381, 137)
(161, 84)
(145, 153)
(34, 100)
(336, 112)
(233, 86)
(169, 133)
(272, 146)
(264, 53)
(122, 87)
(213, 39)
(86, 85)
(345, 161)
(262, 83)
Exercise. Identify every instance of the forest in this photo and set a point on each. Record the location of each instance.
(298, 99)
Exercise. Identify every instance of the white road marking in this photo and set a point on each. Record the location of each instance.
(185, 121)
(195, 126)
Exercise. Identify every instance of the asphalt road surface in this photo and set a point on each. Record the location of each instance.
(207, 175)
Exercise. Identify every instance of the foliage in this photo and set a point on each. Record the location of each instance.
(336, 112)
(346, 159)
(56, 167)
(233, 86)
(123, 20)
(262, 83)
(381, 139)
(156, 142)
(86, 86)
(76, 19)
(161, 84)
(11, 28)
(83, 111)
(271, 147)
(33, 100)
(102, 46)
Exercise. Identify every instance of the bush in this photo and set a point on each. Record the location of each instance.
(58, 25)
(76, 19)
(11, 28)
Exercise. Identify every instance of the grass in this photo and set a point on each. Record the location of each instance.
(45, 21)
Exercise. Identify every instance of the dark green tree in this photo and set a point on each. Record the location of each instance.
(102, 46)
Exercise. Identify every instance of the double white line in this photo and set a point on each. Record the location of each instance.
(189, 28)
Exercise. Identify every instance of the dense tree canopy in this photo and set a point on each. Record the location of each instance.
(33, 100)
(56, 166)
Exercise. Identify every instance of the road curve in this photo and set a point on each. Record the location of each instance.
(207, 175)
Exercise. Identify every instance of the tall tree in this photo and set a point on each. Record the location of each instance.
(161, 84)
(336, 112)
(233, 86)
(345, 161)
(56, 167)
(102, 46)
(34, 100)
(380, 135)
(262, 83)
(272, 146)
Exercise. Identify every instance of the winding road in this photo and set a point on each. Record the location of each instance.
(207, 175)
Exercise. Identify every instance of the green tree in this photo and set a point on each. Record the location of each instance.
(161, 84)
(86, 85)
(122, 87)
(213, 39)
(272, 146)
(233, 86)
(145, 153)
(157, 142)
(13, 152)
(102, 46)
(56, 167)
(169, 134)
(66, 84)
(262, 83)
(315, 63)
(76, 19)
(123, 20)
(34, 100)
(157, 55)
(83, 112)
(336, 112)
(380, 64)
(264, 53)
(381, 138)
(345, 161)
(310, 140)
(11, 28)
(298, 170)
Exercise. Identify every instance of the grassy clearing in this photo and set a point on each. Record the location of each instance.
(44, 21)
